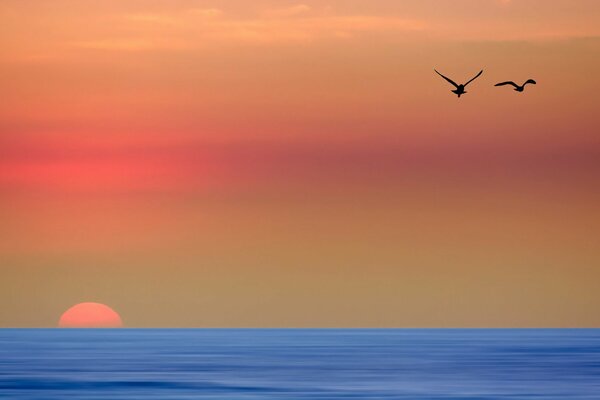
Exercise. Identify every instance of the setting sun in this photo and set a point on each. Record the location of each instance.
(90, 315)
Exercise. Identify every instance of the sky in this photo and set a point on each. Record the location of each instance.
(299, 164)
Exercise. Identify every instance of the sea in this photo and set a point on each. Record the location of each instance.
(115, 364)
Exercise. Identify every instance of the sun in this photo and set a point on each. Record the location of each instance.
(90, 315)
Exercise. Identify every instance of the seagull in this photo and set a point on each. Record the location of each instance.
(460, 89)
(517, 87)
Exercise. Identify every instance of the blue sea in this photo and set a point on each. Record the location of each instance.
(300, 364)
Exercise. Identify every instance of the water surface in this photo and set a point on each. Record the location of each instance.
(299, 364)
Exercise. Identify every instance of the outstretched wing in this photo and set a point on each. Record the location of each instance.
(507, 83)
(448, 79)
(530, 81)
(476, 76)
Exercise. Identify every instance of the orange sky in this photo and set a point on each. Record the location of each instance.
(279, 163)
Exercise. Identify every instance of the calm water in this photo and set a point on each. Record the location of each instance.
(299, 364)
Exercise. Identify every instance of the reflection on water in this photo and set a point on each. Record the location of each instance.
(299, 364)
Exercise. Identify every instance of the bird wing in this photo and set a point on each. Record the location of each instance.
(476, 76)
(448, 79)
(530, 81)
(507, 83)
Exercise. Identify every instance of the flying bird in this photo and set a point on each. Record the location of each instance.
(517, 87)
(460, 89)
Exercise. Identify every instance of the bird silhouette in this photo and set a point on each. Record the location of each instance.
(517, 87)
(460, 89)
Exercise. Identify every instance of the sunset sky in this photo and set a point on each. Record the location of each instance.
(299, 164)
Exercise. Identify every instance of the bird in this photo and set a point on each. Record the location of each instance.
(517, 87)
(460, 89)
